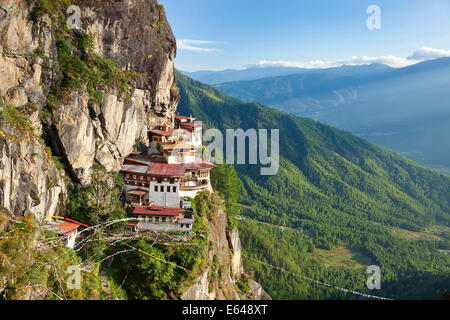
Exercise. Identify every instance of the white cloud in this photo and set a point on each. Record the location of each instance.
(423, 54)
(391, 61)
(426, 53)
(199, 46)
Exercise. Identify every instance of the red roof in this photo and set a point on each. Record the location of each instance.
(190, 125)
(199, 164)
(137, 192)
(68, 227)
(132, 223)
(157, 211)
(144, 158)
(164, 169)
(181, 117)
(162, 133)
(134, 168)
(134, 160)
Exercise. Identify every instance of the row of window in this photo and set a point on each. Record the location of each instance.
(201, 174)
(204, 173)
(160, 180)
(162, 189)
(134, 177)
(157, 219)
(171, 181)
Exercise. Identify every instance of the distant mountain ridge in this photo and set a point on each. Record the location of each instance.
(389, 107)
(255, 73)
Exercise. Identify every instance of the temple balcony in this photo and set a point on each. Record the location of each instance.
(194, 185)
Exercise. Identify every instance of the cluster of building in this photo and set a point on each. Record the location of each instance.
(160, 183)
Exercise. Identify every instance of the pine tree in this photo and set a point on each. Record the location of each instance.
(226, 181)
(232, 190)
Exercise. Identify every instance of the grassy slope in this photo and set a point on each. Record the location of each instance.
(342, 189)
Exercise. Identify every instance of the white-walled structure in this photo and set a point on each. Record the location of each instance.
(165, 192)
(67, 230)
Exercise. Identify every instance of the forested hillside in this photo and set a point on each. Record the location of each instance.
(334, 191)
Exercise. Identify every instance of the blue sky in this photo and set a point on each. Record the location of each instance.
(219, 34)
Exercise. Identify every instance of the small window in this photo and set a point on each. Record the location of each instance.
(127, 176)
(142, 178)
(162, 188)
(156, 188)
(134, 177)
(174, 189)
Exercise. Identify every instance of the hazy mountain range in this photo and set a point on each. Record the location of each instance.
(341, 192)
(258, 72)
(405, 109)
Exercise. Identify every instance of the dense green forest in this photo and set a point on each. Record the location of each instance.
(333, 190)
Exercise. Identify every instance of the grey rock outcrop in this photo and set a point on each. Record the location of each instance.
(30, 182)
(21, 72)
(237, 266)
(257, 292)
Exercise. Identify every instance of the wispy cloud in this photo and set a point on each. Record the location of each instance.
(427, 53)
(392, 61)
(422, 54)
(199, 46)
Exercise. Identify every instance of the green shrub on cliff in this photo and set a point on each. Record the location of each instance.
(99, 201)
(11, 115)
(82, 67)
(49, 7)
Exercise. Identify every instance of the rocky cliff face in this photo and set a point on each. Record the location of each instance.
(30, 182)
(234, 241)
(137, 37)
